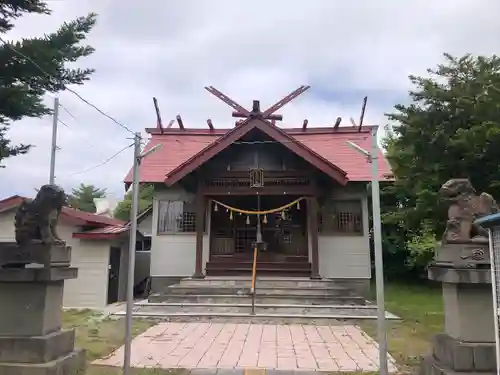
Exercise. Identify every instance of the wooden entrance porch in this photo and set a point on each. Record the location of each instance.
(285, 234)
(290, 235)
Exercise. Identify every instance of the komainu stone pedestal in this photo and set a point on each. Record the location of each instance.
(32, 341)
(468, 344)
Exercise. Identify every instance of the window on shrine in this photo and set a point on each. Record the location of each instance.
(176, 217)
(341, 217)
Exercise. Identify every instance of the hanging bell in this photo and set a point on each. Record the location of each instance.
(298, 205)
(231, 215)
(216, 208)
(283, 215)
(248, 220)
(264, 220)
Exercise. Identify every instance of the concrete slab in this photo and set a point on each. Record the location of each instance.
(225, 346)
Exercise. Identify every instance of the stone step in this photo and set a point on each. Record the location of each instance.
(245, 298)
(237, 308)
(266, 282)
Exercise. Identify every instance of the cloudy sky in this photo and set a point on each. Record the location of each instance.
(254, 49)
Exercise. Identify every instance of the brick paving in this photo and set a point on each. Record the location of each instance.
(233, 347)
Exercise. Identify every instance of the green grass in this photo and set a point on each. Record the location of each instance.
(100, 337)
(421, 308)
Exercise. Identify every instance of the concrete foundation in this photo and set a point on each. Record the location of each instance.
(468, 344)
(31, 339)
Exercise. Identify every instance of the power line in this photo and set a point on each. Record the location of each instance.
(69, 113)
(63, 123)
(81, 139)
(102, 163)
(66, 87)
(79, 123)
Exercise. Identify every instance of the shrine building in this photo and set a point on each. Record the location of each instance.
(304, 189)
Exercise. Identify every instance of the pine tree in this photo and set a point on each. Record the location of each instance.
(83, 196)
(22, 82)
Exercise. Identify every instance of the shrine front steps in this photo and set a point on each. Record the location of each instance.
(286, 268)
(278, 300)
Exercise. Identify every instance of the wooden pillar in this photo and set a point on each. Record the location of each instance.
(200, 220)
(312, 203)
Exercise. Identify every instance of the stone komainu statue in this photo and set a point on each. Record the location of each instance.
(36, 220)
(465, 207)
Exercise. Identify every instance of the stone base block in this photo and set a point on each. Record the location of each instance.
(37, 275)
(30, 309)
(451, 356)
(459, 275)
(73, 363)
(11, 254)
(430, 366)
(468, 312)
(471, 254)
(37, 349)
(464, 356)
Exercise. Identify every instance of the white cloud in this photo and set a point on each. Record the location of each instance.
(247, 49)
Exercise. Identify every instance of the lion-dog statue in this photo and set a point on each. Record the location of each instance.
(36, 220)
(465, 207)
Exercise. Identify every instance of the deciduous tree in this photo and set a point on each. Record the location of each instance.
(450, 129)
(123, 209)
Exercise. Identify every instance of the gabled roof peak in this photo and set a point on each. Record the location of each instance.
(271, 131)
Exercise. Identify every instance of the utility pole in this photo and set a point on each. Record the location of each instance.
(377, 241)
(379, 262)
(53, 150)
(131, 249)
(131, 254)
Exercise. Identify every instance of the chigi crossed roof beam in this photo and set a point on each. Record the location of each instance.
(268, 114)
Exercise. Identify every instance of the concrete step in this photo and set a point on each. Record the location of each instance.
(260, 290)
(266, 282)
(321, 319)
(270, 299)
(241, 308)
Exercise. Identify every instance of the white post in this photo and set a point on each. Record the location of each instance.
(131, 255)
(379, 262)
(53, 149)
(377, 242)
(494, 288)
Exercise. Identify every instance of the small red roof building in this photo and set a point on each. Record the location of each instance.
(104, 227)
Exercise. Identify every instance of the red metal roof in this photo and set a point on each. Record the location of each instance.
(87, 217)
(271, 131)
(109, 231)
(179, 146)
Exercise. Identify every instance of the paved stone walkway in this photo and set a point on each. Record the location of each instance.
(232, 346)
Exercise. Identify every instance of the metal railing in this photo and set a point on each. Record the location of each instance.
(254, 277)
